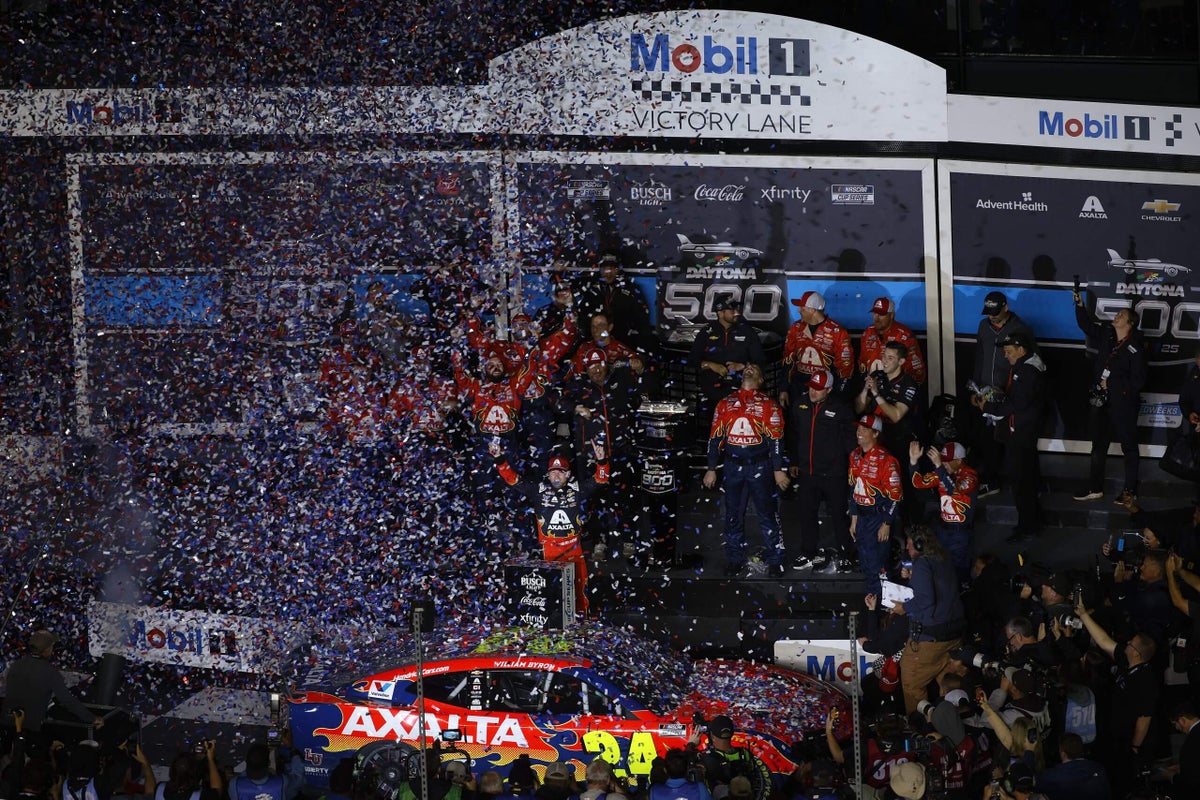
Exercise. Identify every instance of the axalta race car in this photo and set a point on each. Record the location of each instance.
(565, 696)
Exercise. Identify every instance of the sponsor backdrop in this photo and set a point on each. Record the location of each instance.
(1029, 231)
(206, 287)
(695, 230)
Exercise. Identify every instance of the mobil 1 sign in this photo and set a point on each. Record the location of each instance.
(699, 230)
(1129, 237)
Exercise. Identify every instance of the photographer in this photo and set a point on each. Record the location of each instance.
(1017, 700)
(257, 783)
(1133, 702)
(935, 617)
(1027, 647)
(1119, 374)
(1146, 601)
(1191, 608)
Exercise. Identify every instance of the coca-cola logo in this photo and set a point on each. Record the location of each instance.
(729, 193)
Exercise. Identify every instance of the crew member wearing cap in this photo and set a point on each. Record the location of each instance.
(815, 343)
(495, 410)
(748, 428)
(1119, 375)
(991, 370)
(552, 316)
(619, 301)
(558, 502)
(616, 352)
(820, 437)
(721, 351)
(956, 484)
(884, 329)
(32, 683)
(1020, 413)
(602, 403)
(875, 494)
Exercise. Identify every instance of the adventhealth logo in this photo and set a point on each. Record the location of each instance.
(1103, 126)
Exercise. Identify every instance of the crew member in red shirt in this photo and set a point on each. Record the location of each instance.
(875, 494)
(815, 343)
(884, 329)
(748, 427)
(956, 484)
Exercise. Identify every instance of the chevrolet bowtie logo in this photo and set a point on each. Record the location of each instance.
(1159, 206)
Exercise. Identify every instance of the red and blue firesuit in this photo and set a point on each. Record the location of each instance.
(956, 511)
(748, 426)
(875, 493)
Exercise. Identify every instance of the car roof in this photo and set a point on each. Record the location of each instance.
(639, 667)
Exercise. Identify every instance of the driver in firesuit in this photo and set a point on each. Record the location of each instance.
(875, 493)
(748, 427)
(558, 506)
(495, 409)
(957, 485)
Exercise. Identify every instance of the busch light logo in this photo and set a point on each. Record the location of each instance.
(533, 581)
(739, 57)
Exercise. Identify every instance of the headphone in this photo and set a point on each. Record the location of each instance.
(918, 541)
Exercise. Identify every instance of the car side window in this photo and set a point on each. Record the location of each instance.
(514, 690)
(449, 687)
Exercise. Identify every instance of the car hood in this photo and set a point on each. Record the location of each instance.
(770, 700)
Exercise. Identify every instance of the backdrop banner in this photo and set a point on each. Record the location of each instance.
(1031, 231)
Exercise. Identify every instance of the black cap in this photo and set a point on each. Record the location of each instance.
(993, 303)
(1017, 339)
(1021, 776)
(721, 727)
(728, 304)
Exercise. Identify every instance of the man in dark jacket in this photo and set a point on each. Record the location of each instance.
(721, 351)
(33, 682)
(935, 616)
(991, 369)
(820, 437)
(610, 294)
(1020, 411)
(1119, 375)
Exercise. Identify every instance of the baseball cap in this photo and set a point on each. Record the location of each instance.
(728, 304)
(740, 788)
(1021, 776)
(957, 697)
(946, 721)
(1023, 679)
(456, 769)
(820, 380)
(964, 654)
(1016, 339)
(908, 780)
(812, 300)
(559, 771)
(558, 462)
(609, 259)
(721, 727)
(952, 451)
(40, 640)
(883, 305)
(871, 421)
(522, 317)
(594, 356)
(993, 303)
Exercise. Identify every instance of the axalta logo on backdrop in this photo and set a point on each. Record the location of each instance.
(1103, 126)
(740, 57)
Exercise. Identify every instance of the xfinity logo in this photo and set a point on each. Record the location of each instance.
(775, 193)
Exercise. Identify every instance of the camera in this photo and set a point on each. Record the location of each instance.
(1070, 621)
(1017, 583)
(274, 736)
(924, 707)
(1097, 396)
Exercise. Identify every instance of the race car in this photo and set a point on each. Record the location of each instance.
(561, 696)
(1132, 265)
